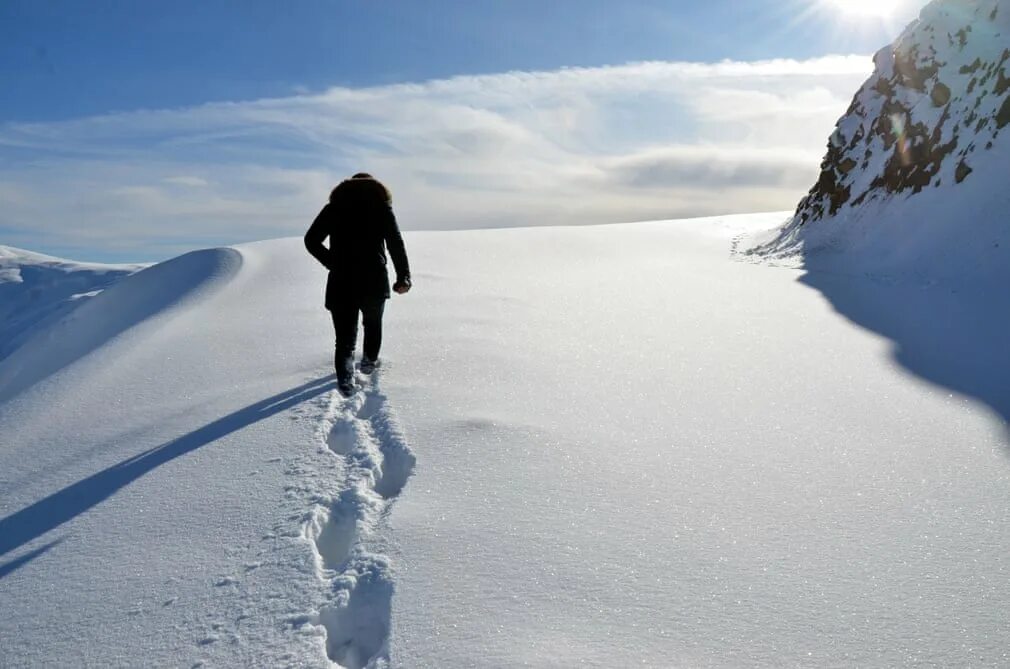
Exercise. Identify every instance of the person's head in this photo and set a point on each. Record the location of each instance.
(362, 183)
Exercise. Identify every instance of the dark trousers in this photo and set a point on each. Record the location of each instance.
(345, 327)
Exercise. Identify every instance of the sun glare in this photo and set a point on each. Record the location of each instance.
(864, 8)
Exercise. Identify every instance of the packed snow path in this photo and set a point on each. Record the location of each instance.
(630, 449)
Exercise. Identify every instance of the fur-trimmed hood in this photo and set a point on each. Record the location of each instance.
(361, 188)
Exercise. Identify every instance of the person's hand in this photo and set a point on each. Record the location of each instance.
(402, 286)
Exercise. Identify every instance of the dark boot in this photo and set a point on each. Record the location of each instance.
(345, 374)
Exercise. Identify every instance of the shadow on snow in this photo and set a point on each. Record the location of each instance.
(954, 338)
(49, 513)
(17, 563)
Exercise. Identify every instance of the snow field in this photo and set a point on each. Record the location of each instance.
(625, 448)
(638, 451)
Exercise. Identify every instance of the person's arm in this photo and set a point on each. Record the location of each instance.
(315, 236)
(394, 242)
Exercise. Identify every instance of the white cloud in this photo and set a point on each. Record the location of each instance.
(580, 145)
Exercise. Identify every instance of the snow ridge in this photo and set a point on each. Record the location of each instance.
(118, 308)
(377, 462)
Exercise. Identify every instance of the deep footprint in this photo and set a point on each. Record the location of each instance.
(397, 467)
(373, 402)
(357, 631)
(398, 461)
(342, 437)
(336, 536)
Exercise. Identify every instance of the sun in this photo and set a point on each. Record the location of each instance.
(864, 8)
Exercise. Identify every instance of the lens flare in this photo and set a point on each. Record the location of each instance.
(901, 139)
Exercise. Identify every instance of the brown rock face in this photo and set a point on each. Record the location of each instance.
(962, 172)
(940, 94)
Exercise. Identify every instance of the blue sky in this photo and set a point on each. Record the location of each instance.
(180, 123)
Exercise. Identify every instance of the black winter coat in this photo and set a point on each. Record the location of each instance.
(360, 224)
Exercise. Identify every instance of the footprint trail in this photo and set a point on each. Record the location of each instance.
(362, 433)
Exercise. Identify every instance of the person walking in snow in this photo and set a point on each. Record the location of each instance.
(360, 225)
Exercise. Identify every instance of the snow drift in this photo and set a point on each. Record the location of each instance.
(914, 179)
(36, 289)
(56, 342)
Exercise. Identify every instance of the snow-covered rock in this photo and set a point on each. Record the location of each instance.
(915, 175)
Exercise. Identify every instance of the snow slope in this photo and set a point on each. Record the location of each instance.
(587, 447)
(914, 179)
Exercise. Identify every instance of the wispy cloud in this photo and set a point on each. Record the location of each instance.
(587, 145)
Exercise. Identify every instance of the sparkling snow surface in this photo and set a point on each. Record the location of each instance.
(603, 446)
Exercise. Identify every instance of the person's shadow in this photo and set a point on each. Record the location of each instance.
(48, 513)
